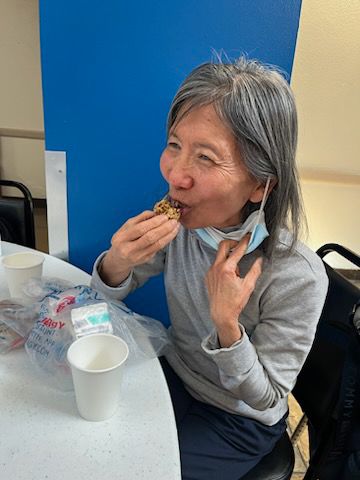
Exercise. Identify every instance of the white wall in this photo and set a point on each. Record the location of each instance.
(326, 82)
(21, 94)
(333, 213)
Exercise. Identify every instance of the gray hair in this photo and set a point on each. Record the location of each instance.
(257, 104)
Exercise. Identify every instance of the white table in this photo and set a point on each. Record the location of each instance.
(43, 437)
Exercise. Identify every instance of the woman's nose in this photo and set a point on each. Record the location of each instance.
(180, 174)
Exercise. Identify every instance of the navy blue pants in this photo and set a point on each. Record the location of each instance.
(214, 444)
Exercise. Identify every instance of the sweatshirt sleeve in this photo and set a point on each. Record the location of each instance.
(138, 276)
(262, 367)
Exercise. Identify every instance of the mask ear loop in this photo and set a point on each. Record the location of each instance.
(265, 197)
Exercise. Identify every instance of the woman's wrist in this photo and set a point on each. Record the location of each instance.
(228, 334)
(111, 275)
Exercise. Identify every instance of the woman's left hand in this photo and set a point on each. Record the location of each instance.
(228, 291)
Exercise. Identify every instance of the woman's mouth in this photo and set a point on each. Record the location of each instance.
(177, 204)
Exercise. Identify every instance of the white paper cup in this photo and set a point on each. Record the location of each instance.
(20, 267)
(97, 363)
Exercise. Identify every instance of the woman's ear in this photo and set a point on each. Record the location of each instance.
(259, 191)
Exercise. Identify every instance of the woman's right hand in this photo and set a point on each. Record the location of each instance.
(135, 243)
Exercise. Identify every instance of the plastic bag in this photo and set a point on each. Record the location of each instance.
(52, 328)
(36, 289)
(9, 339)
(16, 321)
(17, 316)
(145, 336)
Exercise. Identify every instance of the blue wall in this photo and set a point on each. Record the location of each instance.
(109, 72)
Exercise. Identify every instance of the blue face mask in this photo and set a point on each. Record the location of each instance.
(258, 235)
(255, 224)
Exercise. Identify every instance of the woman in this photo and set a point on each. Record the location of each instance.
(244, 295)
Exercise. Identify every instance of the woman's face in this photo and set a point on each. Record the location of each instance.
(206, 176)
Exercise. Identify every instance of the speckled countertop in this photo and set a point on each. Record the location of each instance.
(43, 437)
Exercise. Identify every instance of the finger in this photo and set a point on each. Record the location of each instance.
(156, 234)
(224, 249)
(126, 228)
(137, 251)
(142, 216)
(253, 274)
(239, 251)
(137, 230)
(151, 250)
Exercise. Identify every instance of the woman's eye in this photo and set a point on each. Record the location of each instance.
(173, 145)
(206, 158)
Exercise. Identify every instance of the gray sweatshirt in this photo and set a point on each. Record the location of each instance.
(254, 376)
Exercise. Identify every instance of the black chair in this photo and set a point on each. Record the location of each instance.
(17, 216)
(318, 384)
